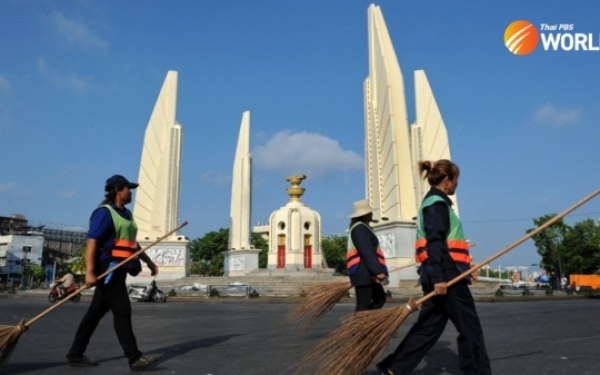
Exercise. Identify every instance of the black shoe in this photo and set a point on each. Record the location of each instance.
(81, 361)
(142, 363)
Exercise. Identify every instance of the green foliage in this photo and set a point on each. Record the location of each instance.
(207, 252)
(37, 272)
(334, 249)
(196, 268)
(568, 250)
(549, 243)
(260, 243)
(77, 266)
(581, 248)
(210, 246)
(207, 269)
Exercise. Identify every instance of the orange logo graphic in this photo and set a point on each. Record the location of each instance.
(521, 37)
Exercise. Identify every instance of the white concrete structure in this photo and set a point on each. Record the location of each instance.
(295, 234)
(241, 257)
(171, 257)
(156, 206)
(157, 198)
(388, 161)
(393, 149)
(239, 214)
(429, 137)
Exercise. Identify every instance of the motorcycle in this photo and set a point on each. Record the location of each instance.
(54, 295)
(150, 293)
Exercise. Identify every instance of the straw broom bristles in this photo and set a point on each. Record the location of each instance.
(9, 335)
(319, 299)
(350, 348)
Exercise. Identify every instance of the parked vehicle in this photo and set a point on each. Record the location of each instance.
(54, 294)
(149, 293)
(585, 284)
(522, 284)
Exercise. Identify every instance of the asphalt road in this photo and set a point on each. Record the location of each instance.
(252, 337)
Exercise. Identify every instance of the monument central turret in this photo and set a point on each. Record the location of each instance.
(295, 233)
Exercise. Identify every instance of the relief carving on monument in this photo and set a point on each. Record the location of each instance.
(167, 257)
(237, 264)
(387, 243)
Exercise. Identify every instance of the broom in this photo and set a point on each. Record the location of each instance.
(319, 299)
(350, 348)
(9, 335)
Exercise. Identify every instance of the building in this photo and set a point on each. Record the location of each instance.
(22, 245)
(18, 251)
(62, 244)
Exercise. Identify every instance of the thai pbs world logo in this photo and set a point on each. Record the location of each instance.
(522, 37)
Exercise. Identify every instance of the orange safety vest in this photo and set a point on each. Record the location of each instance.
(125, 235)
(353, 256)
(458, 247)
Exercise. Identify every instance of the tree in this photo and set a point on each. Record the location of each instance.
(207, 252)
(565, 249)
(77, 266)
(37, 272)
(548, 243)
(334, 250)
(581, 246)
(34, 274)
(260, 243)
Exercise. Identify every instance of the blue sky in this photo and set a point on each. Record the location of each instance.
(79, 79)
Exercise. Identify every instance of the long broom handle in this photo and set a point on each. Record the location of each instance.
(395, 269)
(123, 262)
(513, 245)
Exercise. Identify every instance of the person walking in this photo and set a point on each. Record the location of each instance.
(64, 283)
(365, 260)
(443, 252)
(111, 238)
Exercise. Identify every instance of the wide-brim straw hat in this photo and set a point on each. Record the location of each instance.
(361, 208)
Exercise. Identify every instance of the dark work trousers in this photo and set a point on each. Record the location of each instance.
(458, 306)
(112, 296)
(369, 297)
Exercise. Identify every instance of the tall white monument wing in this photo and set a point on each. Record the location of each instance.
(156, 207)
(239, 229)
(388, 163)
(429, 134)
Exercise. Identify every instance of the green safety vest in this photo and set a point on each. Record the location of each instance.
(125, 235)
(458, 247)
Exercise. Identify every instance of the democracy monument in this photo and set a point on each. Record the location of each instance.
(393, 149)
(392, 184)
